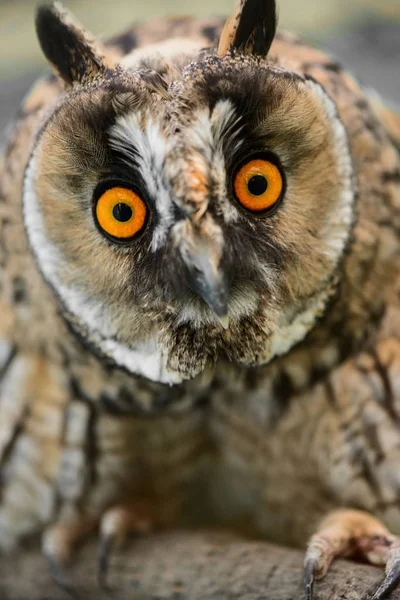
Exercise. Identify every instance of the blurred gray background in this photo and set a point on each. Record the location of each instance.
(364, 34)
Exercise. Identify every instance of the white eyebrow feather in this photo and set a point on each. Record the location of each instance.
(212, 132)
(146, 148)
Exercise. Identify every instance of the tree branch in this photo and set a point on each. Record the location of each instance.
(189, 566)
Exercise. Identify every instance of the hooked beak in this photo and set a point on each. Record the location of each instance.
(208, 282)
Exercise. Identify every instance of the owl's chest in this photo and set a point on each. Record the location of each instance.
(217, 461)
(180, 464)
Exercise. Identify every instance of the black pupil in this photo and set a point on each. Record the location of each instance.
(257, 185)
(122, 212)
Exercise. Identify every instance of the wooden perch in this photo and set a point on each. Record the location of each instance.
(189, 566)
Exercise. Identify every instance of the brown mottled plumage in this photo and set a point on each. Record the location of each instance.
(126, 398)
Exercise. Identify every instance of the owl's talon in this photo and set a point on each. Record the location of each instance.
(346, 533)
(61, 579)
(58, 543)
(390, 583)
(309, 578)
(116, 524)
(106, 547)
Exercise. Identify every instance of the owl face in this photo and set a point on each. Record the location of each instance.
(183, 218)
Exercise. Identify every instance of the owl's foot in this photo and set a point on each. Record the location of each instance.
(60, 540)
(353, 533)
(116, 524)
(58, 543)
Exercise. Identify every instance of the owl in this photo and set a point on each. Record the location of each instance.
(200, 294)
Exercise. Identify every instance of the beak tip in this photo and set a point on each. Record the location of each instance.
(224, 321)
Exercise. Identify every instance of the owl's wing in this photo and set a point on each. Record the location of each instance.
(389, 116)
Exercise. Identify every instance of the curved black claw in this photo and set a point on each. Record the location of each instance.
(309, 578)
(391, 582)
(106, 547)
(61, 579)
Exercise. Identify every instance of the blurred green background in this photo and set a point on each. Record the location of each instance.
(365, 34)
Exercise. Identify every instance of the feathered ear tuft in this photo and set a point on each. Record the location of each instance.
(71, 50)
(251, 29)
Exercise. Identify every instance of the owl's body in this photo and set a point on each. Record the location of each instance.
(269, 448)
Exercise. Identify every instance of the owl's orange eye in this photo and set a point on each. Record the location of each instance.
(258, 185)
(121, 213)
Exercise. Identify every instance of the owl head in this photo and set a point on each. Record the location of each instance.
(189, 213)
